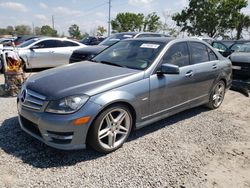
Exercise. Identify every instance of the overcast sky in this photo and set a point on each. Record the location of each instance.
(88, 14)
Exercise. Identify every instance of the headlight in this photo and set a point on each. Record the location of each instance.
(67, 105)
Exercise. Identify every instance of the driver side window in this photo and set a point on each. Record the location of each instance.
(178, 54)
(47, 44)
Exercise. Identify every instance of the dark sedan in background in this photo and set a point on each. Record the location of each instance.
(131, 84)
(89, 52)
(240, 59)
(91, 40)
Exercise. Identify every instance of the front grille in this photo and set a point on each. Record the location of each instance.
(33, 100)
(30, 126)
(244, 71)
(244, 66)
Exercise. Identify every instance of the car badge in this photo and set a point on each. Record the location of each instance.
(23, 95)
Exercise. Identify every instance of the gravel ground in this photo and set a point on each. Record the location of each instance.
(195, 148)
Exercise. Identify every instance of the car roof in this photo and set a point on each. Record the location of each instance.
(167, 39)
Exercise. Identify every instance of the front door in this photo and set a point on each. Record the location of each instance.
(168, 92)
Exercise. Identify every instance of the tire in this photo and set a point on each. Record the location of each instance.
(110, 129)
(217, 95)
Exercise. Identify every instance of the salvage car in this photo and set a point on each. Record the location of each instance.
(91, 51)
(227, 47)
(46, 52)
(240, 59)
(129, 85)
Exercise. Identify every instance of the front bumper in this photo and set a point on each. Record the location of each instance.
(56, 130)
(241, 70)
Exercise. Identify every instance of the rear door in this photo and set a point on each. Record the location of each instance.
(168, 92)
(206, 66)
(64, 51)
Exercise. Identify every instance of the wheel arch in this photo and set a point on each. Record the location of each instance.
(121, 102)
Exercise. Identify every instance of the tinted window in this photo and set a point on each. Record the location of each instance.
(177, 55)
(199, 52)
(68, 44)
(47, 44)
(148, 35)
(212, 55)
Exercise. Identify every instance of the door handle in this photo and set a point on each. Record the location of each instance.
(189, 73)
(214, 66)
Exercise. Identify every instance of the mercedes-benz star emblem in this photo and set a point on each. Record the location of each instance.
(23, 95)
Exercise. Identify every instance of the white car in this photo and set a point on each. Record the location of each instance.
(47, 52)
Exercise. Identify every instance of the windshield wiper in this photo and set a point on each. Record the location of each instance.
(110, 63)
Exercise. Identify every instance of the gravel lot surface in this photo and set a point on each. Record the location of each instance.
(195, 148)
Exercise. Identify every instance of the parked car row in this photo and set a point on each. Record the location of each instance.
(58, 51)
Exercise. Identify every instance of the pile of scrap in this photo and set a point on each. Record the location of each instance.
(13, 73)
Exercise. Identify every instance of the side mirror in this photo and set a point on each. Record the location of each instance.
(168, 69)
(34, 47)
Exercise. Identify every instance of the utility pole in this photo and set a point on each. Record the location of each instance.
(109, 22)
(53, 23)
(33, 28)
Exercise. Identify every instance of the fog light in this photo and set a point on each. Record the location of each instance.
(82, 120)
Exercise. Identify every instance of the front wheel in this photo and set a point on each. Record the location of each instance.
(110, 129)
(217, 95)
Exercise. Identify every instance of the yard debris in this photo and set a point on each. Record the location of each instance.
(13, 73)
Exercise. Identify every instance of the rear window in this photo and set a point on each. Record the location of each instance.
(199, 52)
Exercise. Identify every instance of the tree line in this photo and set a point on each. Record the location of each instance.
(214, 18)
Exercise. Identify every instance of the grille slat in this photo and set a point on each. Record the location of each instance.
(33, 100)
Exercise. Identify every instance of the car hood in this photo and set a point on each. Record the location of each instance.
(81, 78)
(90, 49)
(242, 57)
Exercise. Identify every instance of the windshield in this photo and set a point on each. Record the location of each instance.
(115, 38)
(85, 40)
(134, 54)
(27, 43)
(242, 48)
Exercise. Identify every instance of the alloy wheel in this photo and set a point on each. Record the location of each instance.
(218, 95)
(114, 128)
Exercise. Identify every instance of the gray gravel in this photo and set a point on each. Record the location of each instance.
(175, 152)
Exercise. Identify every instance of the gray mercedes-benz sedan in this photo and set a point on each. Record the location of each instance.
(129, 85)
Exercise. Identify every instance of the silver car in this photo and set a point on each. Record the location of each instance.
(127, 86)
(47, 52)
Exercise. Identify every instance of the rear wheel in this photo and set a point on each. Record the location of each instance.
(217, 95)
(111, 129)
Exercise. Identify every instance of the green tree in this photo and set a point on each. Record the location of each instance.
(151, 22)
(74, 31)
(242, 22)
(127, 22)
(101, 30)
(10, 30)
(23, 30)
(211, 17)
(48, 31)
